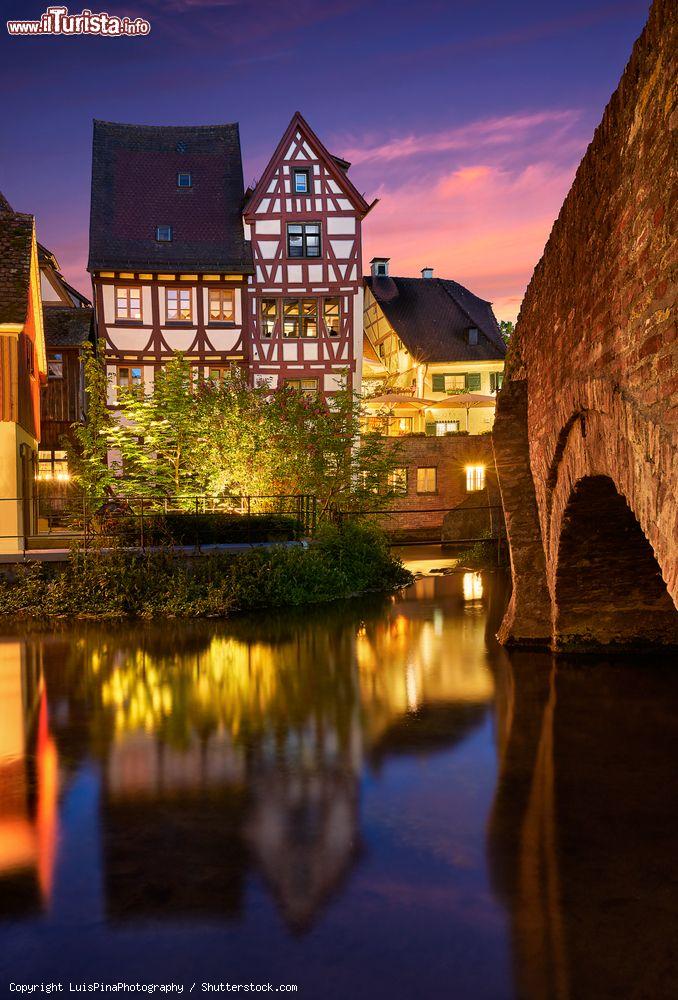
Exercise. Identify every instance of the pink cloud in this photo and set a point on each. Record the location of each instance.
(476, 202)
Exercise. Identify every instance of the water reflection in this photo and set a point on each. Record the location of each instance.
(374, 788)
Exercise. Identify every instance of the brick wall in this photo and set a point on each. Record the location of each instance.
(595, 346)
(449, 456)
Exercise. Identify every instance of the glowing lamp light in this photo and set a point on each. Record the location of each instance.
(475, 478)
(473, 586)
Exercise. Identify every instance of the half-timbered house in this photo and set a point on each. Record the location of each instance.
(305, 299)
(168, 255)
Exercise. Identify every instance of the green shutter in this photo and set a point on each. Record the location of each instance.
(438, 383)
(473, 382)
(493, 381)
(431, 427)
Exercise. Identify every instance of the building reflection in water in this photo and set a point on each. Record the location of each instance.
(232, 751)
(582, 837)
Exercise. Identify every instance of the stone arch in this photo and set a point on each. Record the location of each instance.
(609, 588)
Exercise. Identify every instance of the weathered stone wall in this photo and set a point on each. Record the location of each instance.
(592, 369)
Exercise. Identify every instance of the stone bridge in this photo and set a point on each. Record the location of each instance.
(585, 438)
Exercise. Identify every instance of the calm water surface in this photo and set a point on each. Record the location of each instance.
(368, 800)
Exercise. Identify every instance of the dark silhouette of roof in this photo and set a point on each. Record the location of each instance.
(66, 326)
(432, 317)
(16, 241)
(134, 190)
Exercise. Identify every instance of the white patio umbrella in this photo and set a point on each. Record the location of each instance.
(463, 401)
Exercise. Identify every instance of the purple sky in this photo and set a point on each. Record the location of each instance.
(467, 118)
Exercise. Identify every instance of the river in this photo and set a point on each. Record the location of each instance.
(369, 799)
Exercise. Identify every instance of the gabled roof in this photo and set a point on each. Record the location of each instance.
(432, 317)
(46, 259)
(134, 190)
(16, 248)
(336, 166)
(4, 204)
(67, 326)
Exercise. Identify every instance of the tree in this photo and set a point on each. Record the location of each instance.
(88, 447)
(507, 328)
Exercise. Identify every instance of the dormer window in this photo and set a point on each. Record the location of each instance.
(381, 270)
(184, 179)
(473, 336)
(163, 234)
(302, 182)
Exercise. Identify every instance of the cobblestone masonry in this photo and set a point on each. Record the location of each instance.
(587, 421)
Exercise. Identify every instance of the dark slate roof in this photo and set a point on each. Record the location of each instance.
(4, 204)
(134, 189)
(432, 316)
(16, 240)
(66, 326)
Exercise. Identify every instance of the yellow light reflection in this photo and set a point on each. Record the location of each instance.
(473, 586)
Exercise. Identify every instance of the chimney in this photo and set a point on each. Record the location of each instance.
(379, 267)
(427, 272)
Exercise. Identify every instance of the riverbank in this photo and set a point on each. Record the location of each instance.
(121, 584)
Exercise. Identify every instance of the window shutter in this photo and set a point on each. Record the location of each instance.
(431, 428)
(493, 381)
(438, 383)
(473, 382)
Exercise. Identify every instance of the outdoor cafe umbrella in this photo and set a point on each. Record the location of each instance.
(463, 401)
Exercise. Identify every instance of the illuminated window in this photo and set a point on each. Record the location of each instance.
(302, 183)
(55, 365)
(303, 239)
(427, 479)
(127, 303)
(129, 377)
(184, 179)
(475, 478)
(300, 318)
(399, 480)
(404, 425)
(331, 315)
(446, 427)
(218, 374)
(221, 305)
(269, 314)
(53, 466)
(178, 302)
(308, 387)
(163, 234)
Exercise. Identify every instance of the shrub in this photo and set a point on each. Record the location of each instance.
(197, 529)
(343, 563)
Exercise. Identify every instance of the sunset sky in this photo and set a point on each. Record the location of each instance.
(466, 118)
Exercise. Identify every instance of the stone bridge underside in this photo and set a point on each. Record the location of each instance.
(585, 438)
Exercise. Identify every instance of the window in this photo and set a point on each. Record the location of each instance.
(427, 479)
(473, 336)
(451, 383)
(308, 387)
(446, 427)
(218, 374)
(300, 318)
(178, 302)
(163, 234)
(302, 183)
(404, 425)
(221, 305)
(331, 315)
(184, 179)
(399, 480)
(29, 354)
(475, 478)
(382, 271)
(127, 303)
(473, 382)
(269, 314)
(52, 465)
(129, 377)
(496, 381)
(55, 366)
(303, 239)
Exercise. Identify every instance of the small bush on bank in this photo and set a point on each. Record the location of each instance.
(343, 563)
(480, 555)
(198, 529)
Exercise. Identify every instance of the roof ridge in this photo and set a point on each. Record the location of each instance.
(104, 121)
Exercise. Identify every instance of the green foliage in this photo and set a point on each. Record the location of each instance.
(189, 436)
(343, 563)
(507, 328)
(87, 453)
(194, 529)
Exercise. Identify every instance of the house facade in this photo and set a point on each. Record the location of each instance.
(23, 369)
(183, 259)
(434, 354)
(68, 323)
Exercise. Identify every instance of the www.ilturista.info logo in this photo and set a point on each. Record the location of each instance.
(57, 21)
